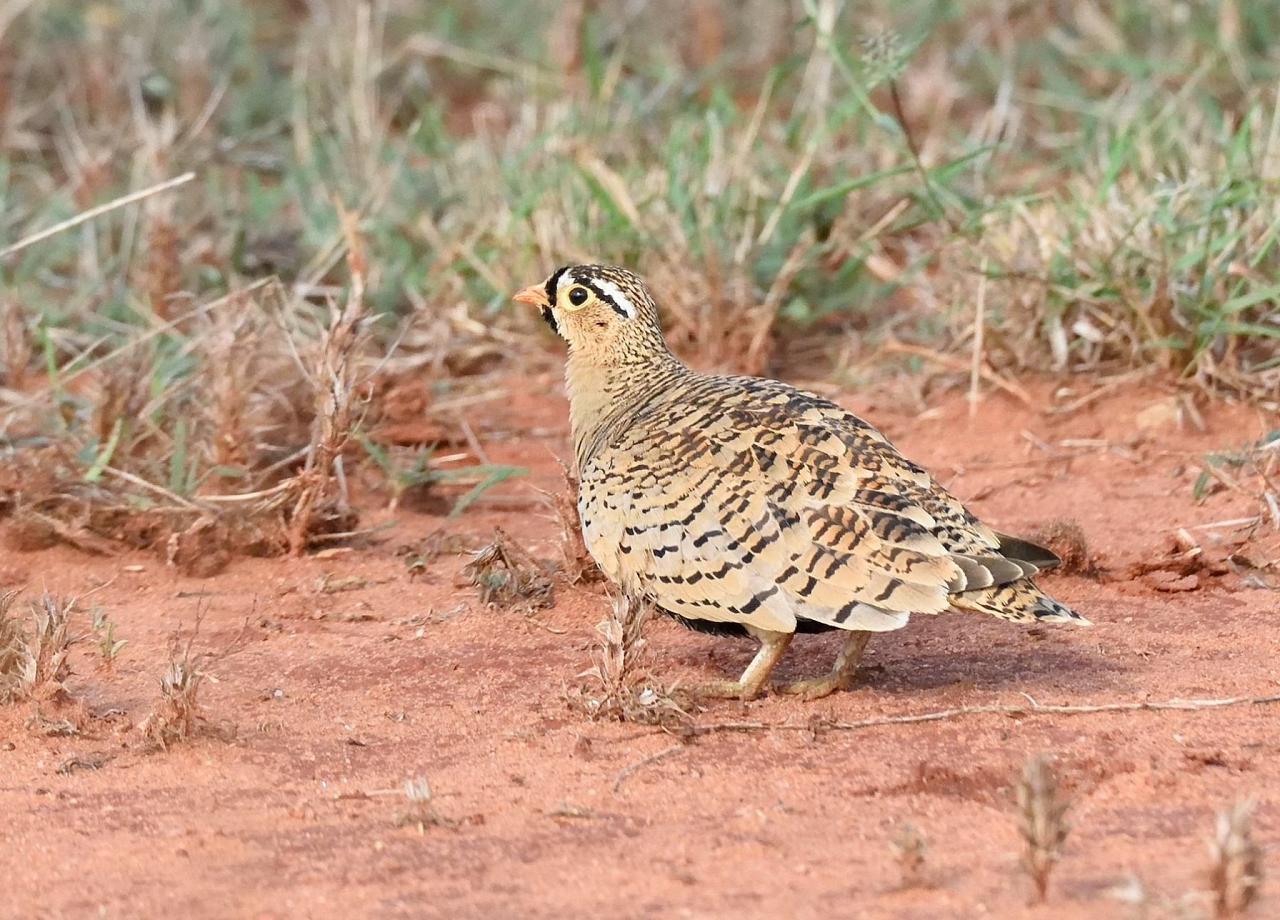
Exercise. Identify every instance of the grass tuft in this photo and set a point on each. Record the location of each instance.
(421, 812)
(178, 715)
(1042, 810)
(45, 663)
(909, 850)
(507, 576)
(622, 684)
(1236, 864)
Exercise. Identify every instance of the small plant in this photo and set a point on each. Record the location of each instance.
(177, 716)
(626, 690)
(13, 645)
(34, 665)
(507, 575)
(334, 378)
(1042, 821)
(578, 564)
(418, 474)
(421, 811)
(909, 847)
(178, 712)
(109, 646)
(1235, 870)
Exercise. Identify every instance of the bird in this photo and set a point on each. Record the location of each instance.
(746, 506)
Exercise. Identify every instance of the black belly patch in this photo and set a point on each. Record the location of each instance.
(738, 630)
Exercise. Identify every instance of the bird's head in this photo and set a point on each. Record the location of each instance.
(597, 309)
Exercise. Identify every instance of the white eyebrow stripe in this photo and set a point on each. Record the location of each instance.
(614, 293)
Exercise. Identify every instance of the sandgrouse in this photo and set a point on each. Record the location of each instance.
(746, 506)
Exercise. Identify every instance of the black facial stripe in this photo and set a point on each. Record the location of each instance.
(606, 298)
(550, 319)
(553, 281)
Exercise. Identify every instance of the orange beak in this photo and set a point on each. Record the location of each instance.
(534, 294)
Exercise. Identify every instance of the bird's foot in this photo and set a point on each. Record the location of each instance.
(815, 688)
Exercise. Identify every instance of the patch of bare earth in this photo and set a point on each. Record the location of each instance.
(375, 741)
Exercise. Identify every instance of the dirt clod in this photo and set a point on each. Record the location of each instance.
(1171, 582)
(27, 533)
(200, 551)
(1066, 538)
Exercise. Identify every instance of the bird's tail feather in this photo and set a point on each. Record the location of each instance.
(1019, 602)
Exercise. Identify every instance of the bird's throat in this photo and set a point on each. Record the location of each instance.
(604, 397)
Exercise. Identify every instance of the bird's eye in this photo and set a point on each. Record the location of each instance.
(578, 296)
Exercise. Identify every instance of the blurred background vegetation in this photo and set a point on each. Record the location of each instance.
(1078, 187)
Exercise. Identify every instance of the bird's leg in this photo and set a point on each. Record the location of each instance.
(753, 679)
(842, 673)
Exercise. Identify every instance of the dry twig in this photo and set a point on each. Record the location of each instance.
(1032, 708)
(101, 209)
(639, 765)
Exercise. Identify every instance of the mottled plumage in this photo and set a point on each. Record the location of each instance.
(743, 504)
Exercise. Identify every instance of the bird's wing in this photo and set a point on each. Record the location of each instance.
(758, 503)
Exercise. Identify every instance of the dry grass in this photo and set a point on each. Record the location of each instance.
(1234, 876)
(334, 380)
(909, 849)
(35, 661)
(1253, 471)
(622, 683)
(13, 644)
(1042, 810)
(421, 812)
(178, 715)
(1236, 866)
(575, 559)
(507, 576)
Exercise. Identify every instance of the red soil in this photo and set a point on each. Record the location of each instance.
(287, 804)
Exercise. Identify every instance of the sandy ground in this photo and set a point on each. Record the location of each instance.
(288, 803)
